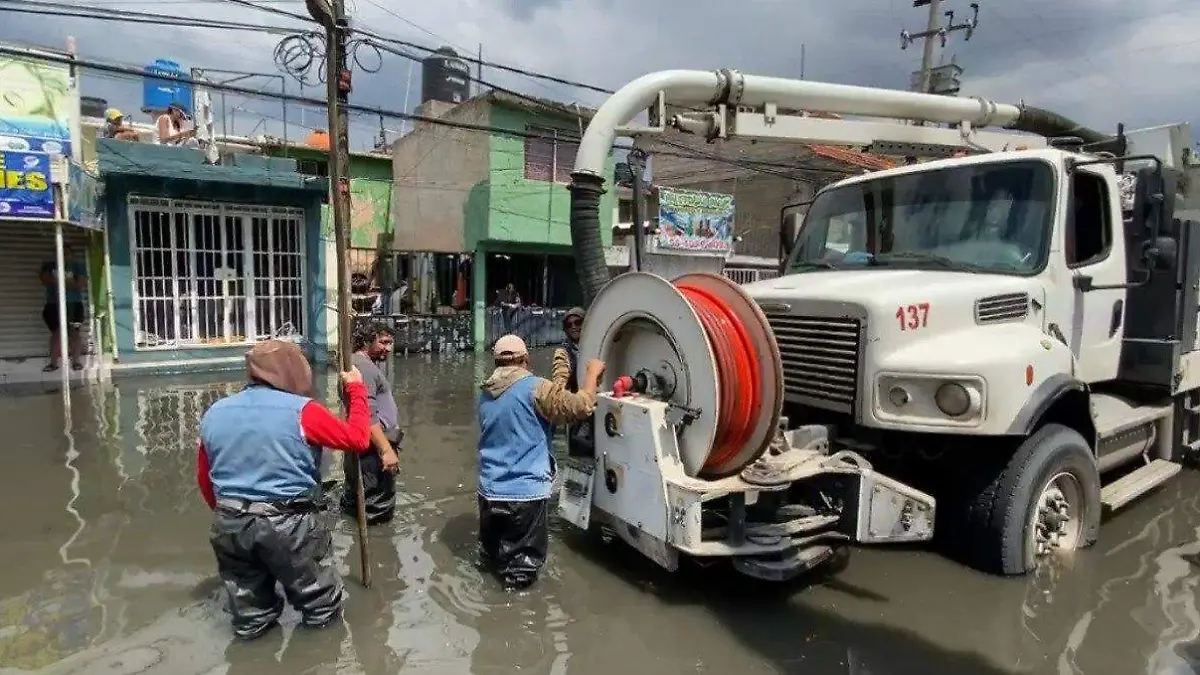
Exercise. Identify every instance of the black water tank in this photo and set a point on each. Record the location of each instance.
(445, 77)
(90, 106)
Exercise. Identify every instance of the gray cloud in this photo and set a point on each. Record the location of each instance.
(1099, 61)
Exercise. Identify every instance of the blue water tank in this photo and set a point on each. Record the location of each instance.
(160, 86)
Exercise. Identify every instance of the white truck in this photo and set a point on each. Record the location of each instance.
(1008, 336)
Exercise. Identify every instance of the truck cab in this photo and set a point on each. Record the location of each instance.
(1014, 331)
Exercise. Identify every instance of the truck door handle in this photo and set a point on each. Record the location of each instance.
(1117, 313)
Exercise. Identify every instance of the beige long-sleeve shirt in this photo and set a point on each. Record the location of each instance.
(551, 399)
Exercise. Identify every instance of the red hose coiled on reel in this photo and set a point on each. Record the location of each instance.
(737, 373)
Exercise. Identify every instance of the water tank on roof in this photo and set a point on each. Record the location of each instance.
(91, 106)
(161, 88)
(445, 77)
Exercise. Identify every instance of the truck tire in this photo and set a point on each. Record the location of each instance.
(1046, 497)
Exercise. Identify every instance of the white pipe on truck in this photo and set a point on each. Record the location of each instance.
(698, 87)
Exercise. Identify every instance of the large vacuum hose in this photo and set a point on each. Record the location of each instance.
(1052, 125)
(586, 190)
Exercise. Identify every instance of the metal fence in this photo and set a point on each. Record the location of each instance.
(445, 333)
(537, 326)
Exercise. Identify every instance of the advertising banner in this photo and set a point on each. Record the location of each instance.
(84, 207)
(35, 104)
(25, 191)
(697, 222)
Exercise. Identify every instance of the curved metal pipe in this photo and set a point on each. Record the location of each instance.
(691, 87)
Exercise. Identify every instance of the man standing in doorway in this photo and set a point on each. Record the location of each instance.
(509, 301)
(76, 284)
(372, 344)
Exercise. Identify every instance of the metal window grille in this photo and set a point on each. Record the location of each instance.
(551, 157)
(213, 274)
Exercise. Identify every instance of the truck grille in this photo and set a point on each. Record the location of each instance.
(820, 359)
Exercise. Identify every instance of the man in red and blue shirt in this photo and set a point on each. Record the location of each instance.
(259, 469)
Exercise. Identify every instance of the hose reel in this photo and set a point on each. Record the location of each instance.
(704, 335)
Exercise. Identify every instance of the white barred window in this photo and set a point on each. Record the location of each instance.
(213, 274)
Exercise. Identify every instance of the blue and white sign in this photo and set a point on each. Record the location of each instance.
(36, 101)
(84, 207)
(25, 189)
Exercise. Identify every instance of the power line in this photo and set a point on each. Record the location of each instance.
(430, 50)
(113, 69)
(122, 16)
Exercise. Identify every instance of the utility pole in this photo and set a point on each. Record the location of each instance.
(925, 82)
(332, 15)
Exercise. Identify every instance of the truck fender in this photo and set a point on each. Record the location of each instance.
(1052, 390)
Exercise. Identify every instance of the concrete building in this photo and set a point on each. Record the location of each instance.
(207, 259)
(499, 197)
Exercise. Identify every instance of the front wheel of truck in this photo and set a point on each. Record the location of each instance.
(1043, 501)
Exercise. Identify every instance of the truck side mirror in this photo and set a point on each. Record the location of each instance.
(789, 230)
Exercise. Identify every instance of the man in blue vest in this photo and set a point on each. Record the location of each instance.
(258, 468)
(516, 466)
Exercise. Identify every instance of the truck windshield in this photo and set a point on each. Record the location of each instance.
(977, 218)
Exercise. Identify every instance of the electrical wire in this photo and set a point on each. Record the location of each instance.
(145, 18)
(136, 73)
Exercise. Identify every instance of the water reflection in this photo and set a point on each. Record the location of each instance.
(108, 570)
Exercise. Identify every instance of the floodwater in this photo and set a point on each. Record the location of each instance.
(107, 570)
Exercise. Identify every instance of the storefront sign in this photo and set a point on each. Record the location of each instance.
(25, 191)
(699, 222)
(84, 207)
(35, 102)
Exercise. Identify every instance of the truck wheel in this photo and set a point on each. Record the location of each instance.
(1046, 499)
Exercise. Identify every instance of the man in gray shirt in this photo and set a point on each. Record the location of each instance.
(372, 344)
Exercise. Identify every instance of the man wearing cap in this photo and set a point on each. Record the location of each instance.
(516, 467)
(258, 468)
(114, 126)
(565, 372)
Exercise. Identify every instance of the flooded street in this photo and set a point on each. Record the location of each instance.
(107, 570)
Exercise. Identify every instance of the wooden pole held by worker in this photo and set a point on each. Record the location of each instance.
(337, 77)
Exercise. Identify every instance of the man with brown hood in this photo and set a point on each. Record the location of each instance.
(259, 469)
(516, 464)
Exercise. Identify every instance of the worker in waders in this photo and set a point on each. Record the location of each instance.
(516, 468)
(566, 373)
(372, 344)
(258, 468)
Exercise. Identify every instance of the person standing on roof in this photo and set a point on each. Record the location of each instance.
(168, 129)
(372, 343)
(566, 373)
(258, 467)
(516, 466)
(114, 126)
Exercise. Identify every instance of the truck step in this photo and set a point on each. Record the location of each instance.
(1121, 492)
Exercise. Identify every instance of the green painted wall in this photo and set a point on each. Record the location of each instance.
(377, 168)
(529, 211)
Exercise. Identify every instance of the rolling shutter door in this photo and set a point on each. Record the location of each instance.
(23, 248)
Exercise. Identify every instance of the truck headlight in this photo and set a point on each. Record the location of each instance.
(953, 399)
(932, 399)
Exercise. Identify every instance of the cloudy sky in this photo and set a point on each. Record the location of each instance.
(1097, 61)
